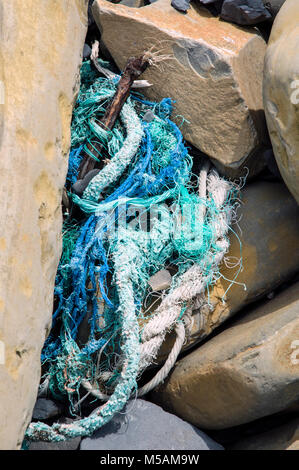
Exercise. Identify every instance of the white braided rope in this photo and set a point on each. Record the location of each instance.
(192, 283)
(190, 286)
(116, 166)
(159, 377)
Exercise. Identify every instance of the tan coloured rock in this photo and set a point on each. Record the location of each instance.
(248, 371)
(41, 48)
(214, 72)
(269, 223)
(281, 93)
(284, 437)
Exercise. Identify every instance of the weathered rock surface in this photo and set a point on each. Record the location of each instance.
(248, 371)
(269, 223)
(245, 12)
(214, 72)
(274, 5)
(45, 409)
(285, 437)
(41, 49)
(70, 444)
(145, 426)
(281, 93)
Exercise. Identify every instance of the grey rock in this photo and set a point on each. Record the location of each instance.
(45, 409)
(181, 5)
(70, 444)
(145, 426)
(132, 3)
(80, 185)
(273, 6)
(86, 51)
(160, 281)
(244, 12)
(149, 116)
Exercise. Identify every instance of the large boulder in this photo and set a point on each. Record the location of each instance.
(248, 371)
(266, 239)
(281, 93)
(213, 71)
(41, 49)
(145, 426)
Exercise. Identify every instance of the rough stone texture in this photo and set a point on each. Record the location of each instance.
(283, 438)
(70, 444)
(132, 3)
(41, 48)
(215, 72)
(274, 5)
(248, 371)
(145, 426)
(45, 409)
(269, 222)
(281, 93)
(245, 12)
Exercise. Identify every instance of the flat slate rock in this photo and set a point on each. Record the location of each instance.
(244, 12)
(145, 426)
(45, 409)
(70, 444)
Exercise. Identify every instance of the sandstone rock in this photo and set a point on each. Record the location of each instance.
(248, 371)
(285, 437)
(145, 426)
(281, 93)
(269, 223)
(41, 49)
(214, 74)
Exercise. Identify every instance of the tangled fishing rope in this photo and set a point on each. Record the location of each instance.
(108, 258)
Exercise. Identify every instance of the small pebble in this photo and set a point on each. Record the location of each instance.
(149, 116)
(160, 281)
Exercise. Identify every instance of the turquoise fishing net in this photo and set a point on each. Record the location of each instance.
(110, 254)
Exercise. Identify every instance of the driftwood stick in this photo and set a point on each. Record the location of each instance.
(134, 68)
(137, 84)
